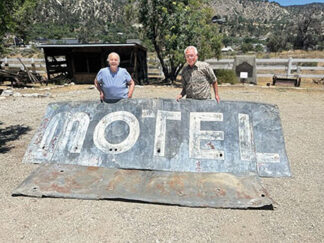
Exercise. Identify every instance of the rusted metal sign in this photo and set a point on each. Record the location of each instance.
(179, 188)
(163, 134)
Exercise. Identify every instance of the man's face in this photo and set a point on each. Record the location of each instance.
(113, 61)
(191, 57)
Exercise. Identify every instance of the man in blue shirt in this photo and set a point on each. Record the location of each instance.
(114, 83)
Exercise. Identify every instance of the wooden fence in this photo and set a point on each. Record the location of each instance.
(35, 64)
(304, 67)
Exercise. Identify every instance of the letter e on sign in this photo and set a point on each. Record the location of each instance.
(196, 135)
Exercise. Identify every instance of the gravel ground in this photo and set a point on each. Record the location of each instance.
(297, 215)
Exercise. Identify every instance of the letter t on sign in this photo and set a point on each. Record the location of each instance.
(160, 129)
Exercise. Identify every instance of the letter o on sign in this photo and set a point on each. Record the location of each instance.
(99, 133)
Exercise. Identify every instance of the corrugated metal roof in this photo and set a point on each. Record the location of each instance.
(88, 45)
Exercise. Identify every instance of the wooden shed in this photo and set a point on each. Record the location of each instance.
(81, 62)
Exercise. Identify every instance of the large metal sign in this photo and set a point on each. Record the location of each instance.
(163, 134)
(180, 188)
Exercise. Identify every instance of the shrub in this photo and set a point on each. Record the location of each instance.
(26, 52)
(307, 64)
(225, 76)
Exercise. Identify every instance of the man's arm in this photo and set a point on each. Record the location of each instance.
(96, 83)
(215, 87)
(183, 93)
(131, 88)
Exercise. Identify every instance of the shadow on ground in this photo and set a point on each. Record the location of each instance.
(11, 133)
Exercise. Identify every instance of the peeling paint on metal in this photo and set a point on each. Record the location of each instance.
(222, 190)
(163, 134)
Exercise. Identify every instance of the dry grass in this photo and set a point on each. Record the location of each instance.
(38, 88)
(298, 54)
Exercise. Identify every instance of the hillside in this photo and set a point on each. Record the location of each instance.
(249, 9)
(110, 21)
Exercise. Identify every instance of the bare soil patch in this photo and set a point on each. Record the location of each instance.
(297, 215)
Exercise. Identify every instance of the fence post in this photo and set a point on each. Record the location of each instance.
(298, 70)
(33, 67)
(289, 66)
(6, 64)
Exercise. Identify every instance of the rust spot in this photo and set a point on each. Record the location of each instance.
(160, 187)
(155, 183)
(38, 139)
(243, 195)
(181, 193)
(92, 168)
(265, 193)
(176, 183)
(75, 185)
(60, 189)
(198, 168)
(211, 145)
(46, 177)
(44, 125)
(117, 179)
(129, 172)
(53, 142)
(220, 192)
(124, 172)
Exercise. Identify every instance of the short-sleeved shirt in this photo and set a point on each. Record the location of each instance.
(196, 80)
(114, 85)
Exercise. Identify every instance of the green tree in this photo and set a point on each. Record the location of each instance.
(258, 48)
(7, 8)
(246, 47)
(308, 31)
(172, 25)
(277, 43)
(23, 17)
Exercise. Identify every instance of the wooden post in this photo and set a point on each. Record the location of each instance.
(6, 64)
(298, 70)
(33, 66)
(135, 67)
(47, 67)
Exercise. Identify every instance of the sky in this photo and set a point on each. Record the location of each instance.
(295, 2)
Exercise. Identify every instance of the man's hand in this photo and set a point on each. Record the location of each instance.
(131, 88)
(215, 87)
(101, 93)
(179, 96)
(217, 98)
(102, 96)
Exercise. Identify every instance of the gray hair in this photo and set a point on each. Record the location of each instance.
(191, 47)
(111, 54)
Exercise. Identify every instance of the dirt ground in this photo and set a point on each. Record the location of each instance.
(297, 215)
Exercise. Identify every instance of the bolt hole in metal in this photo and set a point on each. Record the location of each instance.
(220, 155)
(61, 170)
(159, 150)
(43, 147)
(111, 149)
(262, 195)
(35, 188)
